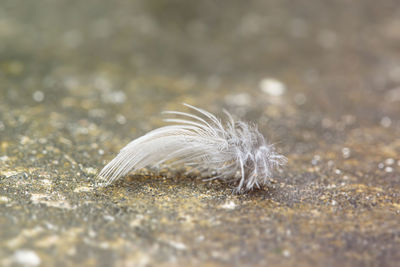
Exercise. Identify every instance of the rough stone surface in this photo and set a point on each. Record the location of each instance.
(80, 79)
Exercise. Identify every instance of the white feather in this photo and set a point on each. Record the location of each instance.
(235, 150)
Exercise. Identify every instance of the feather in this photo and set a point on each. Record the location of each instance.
(236, 150)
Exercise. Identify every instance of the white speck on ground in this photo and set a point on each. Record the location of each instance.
(120, 119)
(272, 87)
(82, 189)
(8, 174)
(386, 122)
(59, 202)
(26, 258)
(286, 253)
(230, 205)
(346, 152)
(45, 182)
(389, 161)
(90, 170)
(38, 96)
(109, 218)
(4, 199)
(388, 169)
(177, 245)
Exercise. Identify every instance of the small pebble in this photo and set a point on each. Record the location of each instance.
(91, 171)
(272, 87)
(109, 218)
(388, 169)
(4, 199)
(315, 159)
(386, 122)
(229, 205)
(82, 189)
(389, 161)
(38, 96)
(286, 253)
(26, 258)
(346, 152)
(120, 119)
(177, 245)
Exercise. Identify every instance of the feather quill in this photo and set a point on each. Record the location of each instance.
(236, 150)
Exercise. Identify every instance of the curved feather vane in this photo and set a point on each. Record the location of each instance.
(236, 150)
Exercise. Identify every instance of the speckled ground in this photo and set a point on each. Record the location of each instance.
(80, 79)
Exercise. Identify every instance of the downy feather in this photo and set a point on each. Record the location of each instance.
(236, 150)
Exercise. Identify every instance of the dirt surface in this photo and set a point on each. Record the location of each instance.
(80, 79)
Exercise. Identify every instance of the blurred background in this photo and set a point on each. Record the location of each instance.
(343, 54)
(80, 79)
(122, 62)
